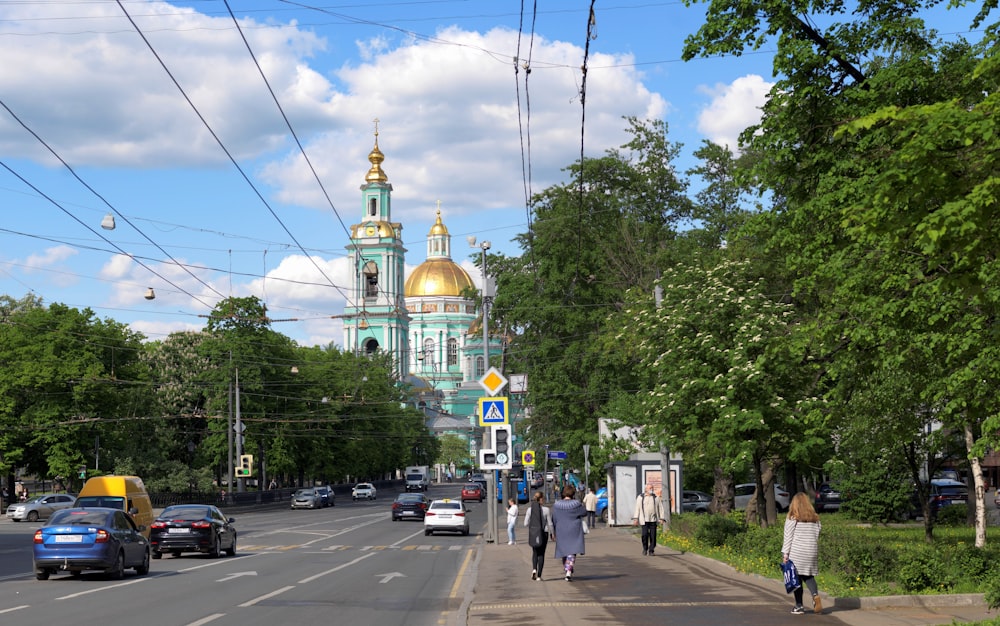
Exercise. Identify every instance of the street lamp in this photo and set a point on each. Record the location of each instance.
(490, 535)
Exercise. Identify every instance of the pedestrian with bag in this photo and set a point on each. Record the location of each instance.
(801, 547)
(538, 520)
(648, 513)
(567, 529)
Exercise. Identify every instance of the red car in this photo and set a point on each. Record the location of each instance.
(473, 491)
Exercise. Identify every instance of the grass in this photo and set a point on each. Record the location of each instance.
(855, 560)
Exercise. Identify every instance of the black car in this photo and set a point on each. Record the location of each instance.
(828, 498)
(327, 496)
(410, 506)
(192, 528)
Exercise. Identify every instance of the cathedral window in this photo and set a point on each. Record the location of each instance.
(452, 351)
(370, 273)
(428, 353)
(372, 207)
(480, 368)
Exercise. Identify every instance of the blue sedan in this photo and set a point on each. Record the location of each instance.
(76, 540)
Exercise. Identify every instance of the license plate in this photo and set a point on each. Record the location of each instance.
(958, 501)
(178, 531)
(444, 516)
(407, 512)
(69, 539)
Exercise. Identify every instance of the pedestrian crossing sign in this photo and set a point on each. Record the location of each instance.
(493, 411)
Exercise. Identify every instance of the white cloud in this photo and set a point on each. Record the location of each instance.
(49, 258)
(733, 108)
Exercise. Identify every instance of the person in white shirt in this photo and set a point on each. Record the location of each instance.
(648, 514)
(511, 520)
(590, 503)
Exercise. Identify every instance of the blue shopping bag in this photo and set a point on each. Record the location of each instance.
(792, 581)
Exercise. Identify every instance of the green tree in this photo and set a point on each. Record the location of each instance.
(590, 240)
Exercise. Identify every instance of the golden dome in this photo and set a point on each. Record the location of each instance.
(437, 277)
(438, 228)
(375, 173)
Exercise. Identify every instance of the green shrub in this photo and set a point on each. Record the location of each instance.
(952, 516)
(864, 562)
(967, 562)
(993, 591)
(718, 530)
(922, 569)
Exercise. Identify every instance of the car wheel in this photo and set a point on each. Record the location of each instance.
(231, 551)
(157, 554)
(143, 567)
(216, 550)
(604, 516)
(427, 532)
(117, 571)
(175, 553)
(32, 516)
(465, 532)
(42, 574)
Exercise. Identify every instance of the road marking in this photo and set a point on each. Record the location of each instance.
(99, 589)
(236, 575)
(14, 608)
(387, 577)
(540, 605)
(214, 563)
(207, 619)
(267, 596)
(335, 569)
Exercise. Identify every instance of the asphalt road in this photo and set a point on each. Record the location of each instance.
(349, 563)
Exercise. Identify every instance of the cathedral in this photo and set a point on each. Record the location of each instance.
(427, 321)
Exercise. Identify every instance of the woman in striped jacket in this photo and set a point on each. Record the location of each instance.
(801, 546)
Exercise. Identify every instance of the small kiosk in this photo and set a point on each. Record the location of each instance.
(626, 480)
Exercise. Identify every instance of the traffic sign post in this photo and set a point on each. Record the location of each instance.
(528, 458)
(493, 411)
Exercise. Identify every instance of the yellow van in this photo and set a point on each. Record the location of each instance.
(127, 493)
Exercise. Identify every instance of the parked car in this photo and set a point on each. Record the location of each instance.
(327, 496)
(745, 491)
(943, 492)
(537, 481)
(307, 498)
(827, 498)
(39, 507)
(478, 478)
(695, 502)
(473, 491)
(446, 515)
(363, 491)
(192, 528)
(96, 538)
(602, 504)
(410, 506)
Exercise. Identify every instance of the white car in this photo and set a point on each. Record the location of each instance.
(363, 491)
(782, 498)
(446, 515)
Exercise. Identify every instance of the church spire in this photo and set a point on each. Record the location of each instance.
(375, 173)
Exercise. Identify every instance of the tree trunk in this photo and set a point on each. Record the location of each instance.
(980, 488)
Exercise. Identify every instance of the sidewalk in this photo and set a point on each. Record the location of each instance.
(615, 584)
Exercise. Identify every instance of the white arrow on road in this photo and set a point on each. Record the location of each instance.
(236, 575)
(387, 577)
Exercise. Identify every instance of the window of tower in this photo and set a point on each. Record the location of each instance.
(480, 369)
(452, 351)
(371, 347)
(370, 273)
(373, 207)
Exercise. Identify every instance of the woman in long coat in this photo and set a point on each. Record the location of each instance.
(567, 528)
(801, 546)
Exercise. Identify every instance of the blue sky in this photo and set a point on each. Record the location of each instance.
(162, 113)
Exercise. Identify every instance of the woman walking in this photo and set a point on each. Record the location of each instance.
(538, 520)
(567, 529)
(801, 546)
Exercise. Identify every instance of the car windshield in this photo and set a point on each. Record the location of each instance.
(184, 513)
(112, 502)
(305, 492)
(71, 517)
(413, 497)
(438, 506)
(36, 499)
(363, 486)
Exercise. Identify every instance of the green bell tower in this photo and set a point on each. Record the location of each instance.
(375, 318)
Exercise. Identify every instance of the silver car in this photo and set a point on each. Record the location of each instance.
(40, 507)
(307, 499)
(363, 491)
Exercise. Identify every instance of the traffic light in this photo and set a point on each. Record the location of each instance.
(501, 444)
(246, 466)
(82, 471)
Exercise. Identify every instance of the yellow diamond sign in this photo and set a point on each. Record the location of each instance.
(493, 381)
